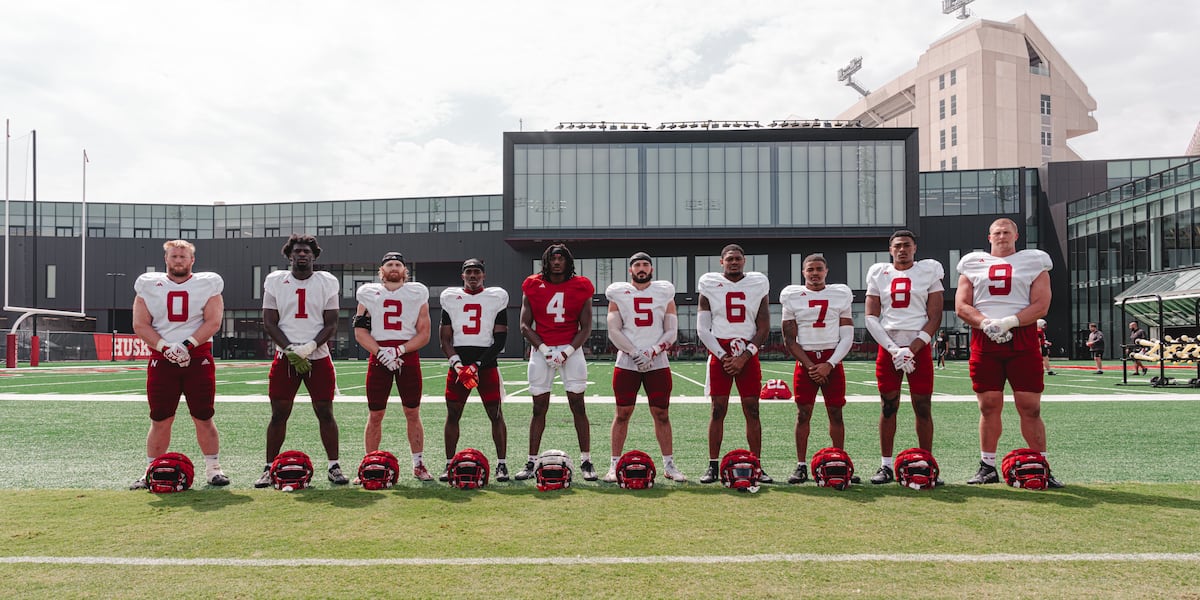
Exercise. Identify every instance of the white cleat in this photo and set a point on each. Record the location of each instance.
(611, 475)
(674, 474)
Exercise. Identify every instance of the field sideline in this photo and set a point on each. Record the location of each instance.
(1125, 526)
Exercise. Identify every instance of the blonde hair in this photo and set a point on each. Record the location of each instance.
(179, 244)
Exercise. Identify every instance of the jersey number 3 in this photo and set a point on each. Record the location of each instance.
(473, 312)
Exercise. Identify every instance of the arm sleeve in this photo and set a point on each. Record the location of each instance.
(670, 330)
(704, 332)
(843, 347)
(499, 338)
(879, 333)
(617, 336)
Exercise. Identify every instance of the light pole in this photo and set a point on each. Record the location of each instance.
(112, 321)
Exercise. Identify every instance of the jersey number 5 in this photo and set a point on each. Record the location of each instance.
(643, 312)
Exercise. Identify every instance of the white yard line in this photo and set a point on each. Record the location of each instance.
(604, 560)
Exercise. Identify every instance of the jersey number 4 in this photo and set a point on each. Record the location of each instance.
(557, 306)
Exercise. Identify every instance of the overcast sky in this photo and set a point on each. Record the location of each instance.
(294, 101)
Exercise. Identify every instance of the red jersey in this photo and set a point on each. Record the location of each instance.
(556, 306)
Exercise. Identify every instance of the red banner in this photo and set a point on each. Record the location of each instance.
(127, 347)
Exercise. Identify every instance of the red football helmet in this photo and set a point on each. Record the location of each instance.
(379, 470)
(635, 470)
(1025, 468)
(171, 472)
(552, 470)
(917, 469)
(468, 469)
(291, 468)
(832, 467)
(775, 389)
(740, 470)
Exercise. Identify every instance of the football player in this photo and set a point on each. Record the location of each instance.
(556, 319)
(1001, 295)
(176, 313)
(392, 323)
(474, 328)
(818, 330)
(904, 310)
(732, 322)
(300, 314)
(642, 324)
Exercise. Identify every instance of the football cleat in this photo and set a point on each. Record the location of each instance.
(883, 475)
(335, 475)
(217, 478)
(763, 477)
(525, 473)
(800, 475)
(611, 475)
(445, 476)
(986, 474)
(501, 472)
(420, 472)
(673, 473)
(710, 474)
(264, 480)
(139, 484)
(587, 470)
(1052, 482)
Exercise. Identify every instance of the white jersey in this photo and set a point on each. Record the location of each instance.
(393, 312)
(301, 304)
(734, 304)
(1002, 284)
(473, 316)
(177, 309)
(903, 295)
(817, 314)
(643, 315)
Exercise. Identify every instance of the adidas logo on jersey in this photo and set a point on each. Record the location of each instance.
(206, 362)
(159, 284)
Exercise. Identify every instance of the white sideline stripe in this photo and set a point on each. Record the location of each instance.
(599, 560)
(558, 398)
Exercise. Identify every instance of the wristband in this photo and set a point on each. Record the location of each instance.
(162, 345)
(752, 349)
(191, 342)
(569, 351)
(455, 361)
(924, 337)
(543, 348)
(401, 349)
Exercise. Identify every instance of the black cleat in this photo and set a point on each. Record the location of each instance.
(710, 475)
(525, 473)
(1052, 482)
(588, 471)
(855, 479)
(883, 475)
(336, 477)
(800, 475)
(985, 474)
(763, 477)
(501, 472)
(264, 480)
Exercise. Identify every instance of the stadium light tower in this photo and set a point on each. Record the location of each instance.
(949, 6)
(845, 74)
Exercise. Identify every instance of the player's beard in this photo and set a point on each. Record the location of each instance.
(393, 276)
(642, 277)
(182, 272)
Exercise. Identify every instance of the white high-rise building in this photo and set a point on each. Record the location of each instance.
(986, 95)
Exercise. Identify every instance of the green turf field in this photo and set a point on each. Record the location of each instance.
(72, 437)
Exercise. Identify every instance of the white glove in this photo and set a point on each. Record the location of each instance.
(305, 349)
(737, 346)
(904, 360)
(561, 354)
(661, 348)
(388, 358)
(547, 352)
(643, 359)
(994, 329)
(177, 353)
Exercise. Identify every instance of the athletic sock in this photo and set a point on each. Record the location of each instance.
(211, 463)
(333, 462)
(585, 456)
(416, 457)
(887, 461)
(668, 460)
(612, 461)
(988, 458)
